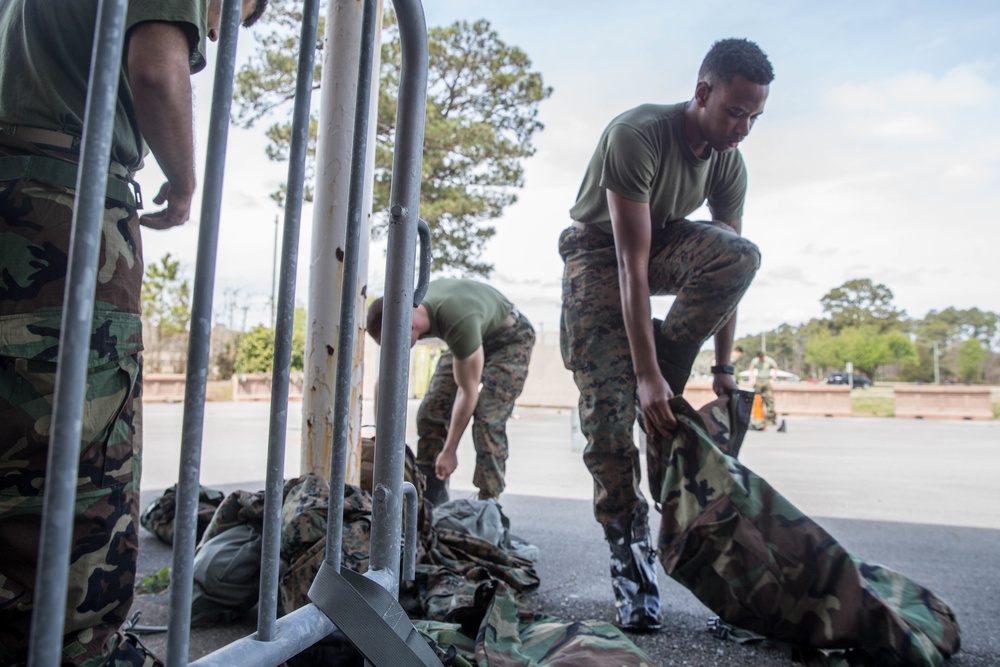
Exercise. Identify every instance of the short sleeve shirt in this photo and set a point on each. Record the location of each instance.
(46, 47)
(644, 156)
(463, 312)
(764, 368)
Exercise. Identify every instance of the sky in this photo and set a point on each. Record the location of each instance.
(878, 154)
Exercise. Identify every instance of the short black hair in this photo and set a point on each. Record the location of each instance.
(258, 11)
(374, 321)
(729, 57)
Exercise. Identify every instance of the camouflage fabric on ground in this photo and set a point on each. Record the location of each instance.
(158, 517)
(493, 632)
(454, 559)
(303, 535)
(764, 566)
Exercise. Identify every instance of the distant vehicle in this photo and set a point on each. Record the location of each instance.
(860, 381)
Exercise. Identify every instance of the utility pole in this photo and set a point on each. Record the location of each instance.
(338, 93)
(937, 369)
(274, 270)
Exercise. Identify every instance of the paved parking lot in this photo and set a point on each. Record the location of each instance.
(918, 496)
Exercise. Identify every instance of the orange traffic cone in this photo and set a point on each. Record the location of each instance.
(757, 421)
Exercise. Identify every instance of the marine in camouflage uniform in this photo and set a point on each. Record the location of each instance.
(47, 48)
(475, 321)
(653, 167)
(762, 367)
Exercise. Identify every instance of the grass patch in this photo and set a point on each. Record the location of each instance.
(996, 409)
(872, 406)
(152, 584)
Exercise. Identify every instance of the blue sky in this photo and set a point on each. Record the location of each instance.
(877, 155)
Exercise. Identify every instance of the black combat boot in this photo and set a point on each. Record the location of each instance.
(435, 491)
(633, 575)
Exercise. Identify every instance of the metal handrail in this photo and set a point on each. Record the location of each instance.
(189, 473)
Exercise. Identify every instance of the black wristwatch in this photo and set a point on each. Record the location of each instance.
(724, 368)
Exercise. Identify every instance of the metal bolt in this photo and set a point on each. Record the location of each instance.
(397, 211)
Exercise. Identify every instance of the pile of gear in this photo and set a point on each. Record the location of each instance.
(470, 569)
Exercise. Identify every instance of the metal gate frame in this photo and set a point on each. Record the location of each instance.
(275, 640)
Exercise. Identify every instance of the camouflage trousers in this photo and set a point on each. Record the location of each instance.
(707, 268)
(507, 353)
(766, 392)
(105, 544)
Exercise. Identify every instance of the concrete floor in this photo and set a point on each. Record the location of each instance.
(918, 496)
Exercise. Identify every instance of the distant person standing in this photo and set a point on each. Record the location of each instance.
(763, 371)
(478, 378)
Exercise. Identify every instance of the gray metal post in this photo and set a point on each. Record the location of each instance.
(398, 305)
(189, 475)
(62, 466)
(267, 609)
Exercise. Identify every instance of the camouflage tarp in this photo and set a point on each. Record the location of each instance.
(493, 632)
(762, 565)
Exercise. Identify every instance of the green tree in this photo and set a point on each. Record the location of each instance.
(865, 347)
(482, 116)
(859, 303)
(255, 349)
(971, 360)
(166, 311)
(824, 350)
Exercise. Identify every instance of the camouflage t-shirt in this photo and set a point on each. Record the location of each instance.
(643, 156)
(47, 50)
(462, 312)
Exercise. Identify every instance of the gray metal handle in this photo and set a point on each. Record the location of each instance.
(424, 277)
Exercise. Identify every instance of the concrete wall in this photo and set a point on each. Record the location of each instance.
(549, 384)
(943, 402)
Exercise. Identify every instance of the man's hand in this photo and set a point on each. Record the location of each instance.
(654, 392)
(177, 212)
(159, 73)
(724, 384)
(445, 464)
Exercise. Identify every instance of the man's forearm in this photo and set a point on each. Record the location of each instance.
(724, 341)
(461, 414)
(160, 79)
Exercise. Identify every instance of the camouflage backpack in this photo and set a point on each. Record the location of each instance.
(158, 517)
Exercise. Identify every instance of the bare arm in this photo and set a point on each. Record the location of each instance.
(632, 228)
(723, 383)
(468, 374)
(160, 77)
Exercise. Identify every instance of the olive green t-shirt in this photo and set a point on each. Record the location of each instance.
(45, 50)
(463, 312)
(643, 156)
(764, 368)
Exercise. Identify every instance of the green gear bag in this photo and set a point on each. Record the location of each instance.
(762, 565)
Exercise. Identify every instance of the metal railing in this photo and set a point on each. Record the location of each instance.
(276, 639)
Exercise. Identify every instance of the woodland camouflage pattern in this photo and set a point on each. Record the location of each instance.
(708, 268)
(762, 565)
(35, 222)
(507, 353)
(491, 630)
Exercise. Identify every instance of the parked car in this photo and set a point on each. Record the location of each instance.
(860, 381)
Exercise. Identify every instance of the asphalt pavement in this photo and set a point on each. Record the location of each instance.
(918, 496)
